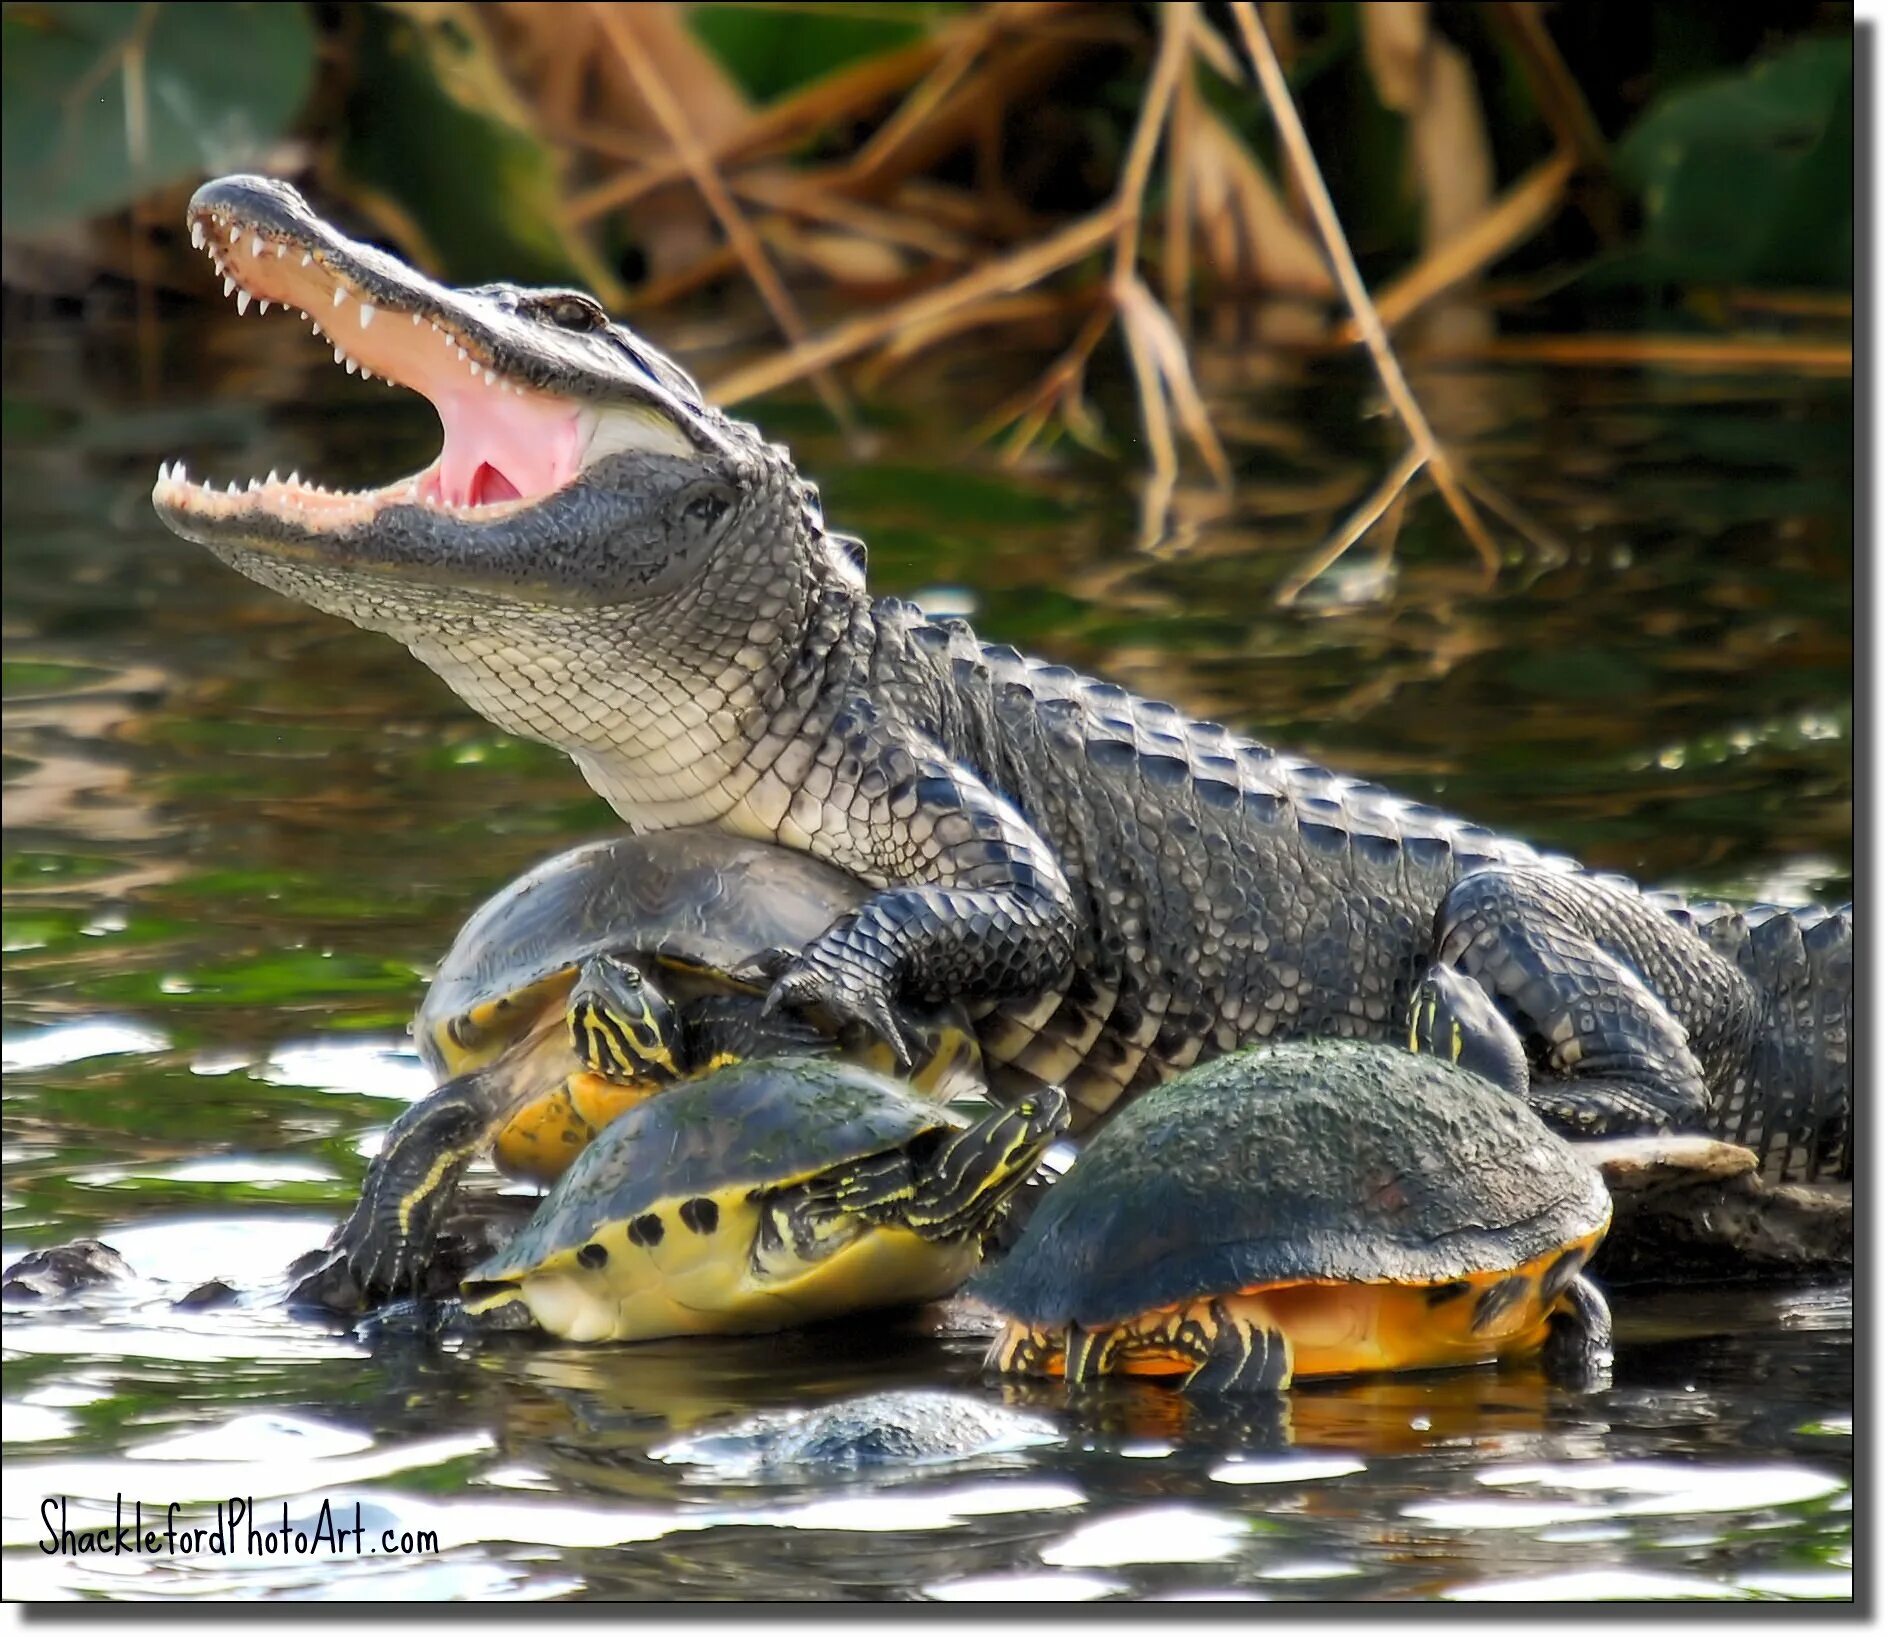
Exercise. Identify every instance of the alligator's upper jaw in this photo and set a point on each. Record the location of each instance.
(525, 406)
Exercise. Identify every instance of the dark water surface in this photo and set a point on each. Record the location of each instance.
(237, 834)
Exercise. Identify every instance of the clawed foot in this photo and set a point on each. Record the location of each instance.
(383, 1262)
(831, 978)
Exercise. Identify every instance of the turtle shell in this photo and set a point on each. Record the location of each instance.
(696, 897)
(1311, 1161)
(767, 1122)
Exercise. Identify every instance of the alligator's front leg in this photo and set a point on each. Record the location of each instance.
(976, 906)
(1627, 1018)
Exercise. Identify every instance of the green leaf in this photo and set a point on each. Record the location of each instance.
(1748, 177)
(442, 151)
(103, 103)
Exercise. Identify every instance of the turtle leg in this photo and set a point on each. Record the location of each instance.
(1238, 1351)
(1090, 1355)
(970, 1179)
(1579, 1346)
(1621, 1008)
(1021, 1350)
(388, 1236)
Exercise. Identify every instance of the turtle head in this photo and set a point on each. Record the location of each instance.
(965, 1187)
(588, 514)
(622, 1026)
(1452, 1017)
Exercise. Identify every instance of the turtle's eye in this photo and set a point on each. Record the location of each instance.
(567, 309)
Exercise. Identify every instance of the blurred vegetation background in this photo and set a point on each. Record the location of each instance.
(827, 190)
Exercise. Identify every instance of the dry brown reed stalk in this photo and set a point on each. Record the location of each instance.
(937, 112)
(1512, 219)
(927, 94)
(849, 91)
(1429, 455)
(1759, 354)
(699, 166)
(1004, 276)
(1563, 105)
(1162, 375)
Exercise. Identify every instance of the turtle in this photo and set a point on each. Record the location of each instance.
(590, 983)
(769, 1194)
(654, 953)
(1303, 1209)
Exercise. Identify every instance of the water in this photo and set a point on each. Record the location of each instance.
(237, 834)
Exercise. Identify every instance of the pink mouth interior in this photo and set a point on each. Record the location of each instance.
(497, 446)
(503, 441)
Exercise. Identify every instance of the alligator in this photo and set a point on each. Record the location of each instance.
(602, 560)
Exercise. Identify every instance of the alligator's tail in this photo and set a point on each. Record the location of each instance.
(1795, 1102)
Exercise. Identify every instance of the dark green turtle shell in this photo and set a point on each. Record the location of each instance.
(770, 1120)
(697, 896)
(1310, 1160)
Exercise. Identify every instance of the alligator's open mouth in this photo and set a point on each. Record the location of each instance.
(509, 442)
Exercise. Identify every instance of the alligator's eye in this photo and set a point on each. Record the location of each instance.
(569, 310)
(706, 510)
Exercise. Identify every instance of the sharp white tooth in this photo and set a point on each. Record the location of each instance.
(295, 480)
(366, 373)
(367, 313)
(255, 244)
(339, 356)
(229, 284)
(196, 235)
(272, 479)
(232, 485)
(473, 365)
(254, 484)
(242, 302)
(281, 250)
(307, 257)
(352, 367)
(235, 232)
(262, 307)
(340, 294)
(490, 378)
(416, 321)
(459, 349)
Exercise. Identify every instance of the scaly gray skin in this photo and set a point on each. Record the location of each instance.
(1121, 891)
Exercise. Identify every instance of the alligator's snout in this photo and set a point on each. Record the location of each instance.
(532, 387)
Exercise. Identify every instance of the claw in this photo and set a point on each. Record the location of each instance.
(803, 987)
(767, 966)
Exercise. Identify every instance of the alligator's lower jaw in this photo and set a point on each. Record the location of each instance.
(204, 511)
(507, 445)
